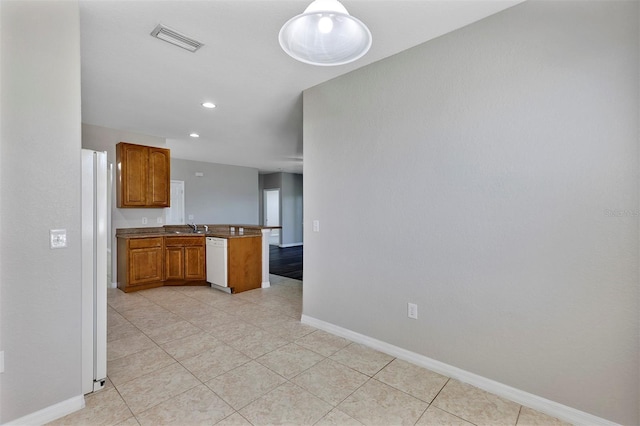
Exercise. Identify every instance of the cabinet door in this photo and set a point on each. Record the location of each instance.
(159, 178)
(194, 263)
(145, 265)
(132, 172)
(174, 263)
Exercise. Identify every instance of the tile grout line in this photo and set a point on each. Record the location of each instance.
(289, 339)
(180, 363)
(154, 371)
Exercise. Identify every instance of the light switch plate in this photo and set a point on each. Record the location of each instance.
(58, 238)
(412, 310)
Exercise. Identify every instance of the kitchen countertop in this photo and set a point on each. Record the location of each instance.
(219, 231)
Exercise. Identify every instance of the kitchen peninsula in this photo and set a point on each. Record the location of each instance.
(175, 255)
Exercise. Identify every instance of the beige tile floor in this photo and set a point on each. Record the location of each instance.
(195, 355)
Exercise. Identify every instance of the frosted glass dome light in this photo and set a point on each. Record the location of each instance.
(325, 34)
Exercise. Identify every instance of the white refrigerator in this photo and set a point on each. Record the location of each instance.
(94, 270)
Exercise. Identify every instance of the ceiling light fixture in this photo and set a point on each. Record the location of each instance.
(208, 105)
(325, 34)
(194, 135)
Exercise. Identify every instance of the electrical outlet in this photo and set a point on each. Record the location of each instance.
(190, 217)
(316, 226)
(412, 310)
(144, 220)
(1, 361)
(159, 220)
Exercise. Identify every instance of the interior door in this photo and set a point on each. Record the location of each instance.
(174, 215)
(272, 213)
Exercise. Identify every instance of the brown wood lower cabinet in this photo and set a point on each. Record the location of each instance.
(156, 261)
(194, 263)
(140, 263)
(184, 258)
(245, 263)
(174, 263)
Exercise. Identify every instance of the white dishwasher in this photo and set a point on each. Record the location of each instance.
(217, 261)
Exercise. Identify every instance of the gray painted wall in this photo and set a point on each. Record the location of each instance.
(271, 180)
(291, 204)
(491, 177)
(225, 194)
(40, 172)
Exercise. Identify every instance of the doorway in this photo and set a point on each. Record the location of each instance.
(174, 215)
(272, 213)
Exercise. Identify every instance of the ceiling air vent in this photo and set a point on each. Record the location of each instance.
(174, 37)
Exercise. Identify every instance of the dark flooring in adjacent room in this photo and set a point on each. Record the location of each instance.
(286, 262)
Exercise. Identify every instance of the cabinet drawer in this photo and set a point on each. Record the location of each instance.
(184, 241)
(136, 243)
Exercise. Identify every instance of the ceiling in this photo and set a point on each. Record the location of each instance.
(137, 83)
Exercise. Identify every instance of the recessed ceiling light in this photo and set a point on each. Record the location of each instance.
(194, 135)
(208, 105)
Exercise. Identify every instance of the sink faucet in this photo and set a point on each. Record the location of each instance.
(194, 226)
(206, 228)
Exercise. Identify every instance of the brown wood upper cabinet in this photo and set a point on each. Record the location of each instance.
(144, 174)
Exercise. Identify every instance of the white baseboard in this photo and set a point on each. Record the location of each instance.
(527, 399)
(290, 245)
(266, 284)
(50, 413)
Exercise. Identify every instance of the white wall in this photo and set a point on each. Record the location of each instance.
(40, 171)
(491, 177)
